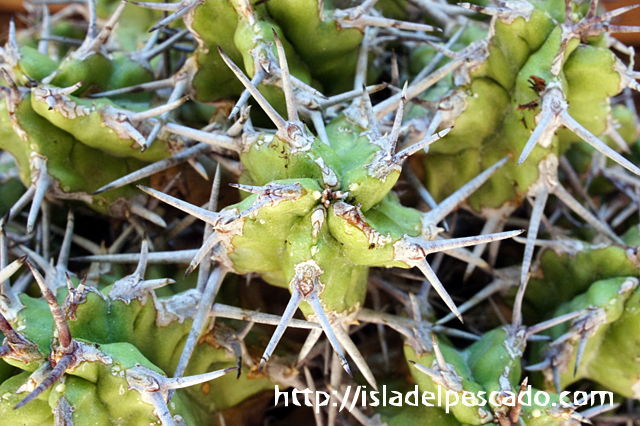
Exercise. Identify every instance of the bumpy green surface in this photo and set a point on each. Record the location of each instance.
(315, 49)
(319, 215)
(612, 347)
(276, 238)
(78, 169)
(130, 334)
(495, 122)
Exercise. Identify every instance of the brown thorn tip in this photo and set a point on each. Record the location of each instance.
(188, 272)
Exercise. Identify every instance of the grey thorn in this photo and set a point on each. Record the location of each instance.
(374, 129)
(149, 53)
(147, 214)
(610, 14)
(582, 345)
(65, 248)
(312, 386)
(43, 44)
(21, 203)
(169, 257)
(450, 203)
(159, 166)
(184, 7)
(231, 312)
(556, 379)
(467, 256)
(212, 139)
(8, 271)
(409, 151)
(202, 314)
(63, 413)
(178, 90)
(439, 56)
(496, 285)
(45, 230)
(438, 353)
(418, 186)
(41, 185)
(444, 50)
(350, 95)
(417, 87)
(292, 112)
(205, 268)
(574, 181)
(153, 203)
(165, 7)
(65, 40)
(544, 130)
(579, 209)
(314, 301)
(363, 60)
(200, 213)
(151, 41)
(12, 40)
(4, 256)
(92, 29)
(382, 339)
(624, 215)
(290, 310)
(453, 243)
(256, 80)
(237, 127)
(95, 40)
(297, 82)
(161, 410)
(162, 109)
(599, 409)
(152, 85)
(426, 370)
(543, 365)
(141, 268)
(183, 382)
(335, 379)
(203, 252)
(37, 258)
(264, 104)
(596, 143)
(454, 332)
(360, 18)
(433, 125)
(438, 287)
(309, 344)
(397, 122)
(541, 196)
(318, 123)
(545, 325)
(494, 223)
(345, 340)
(412, 251)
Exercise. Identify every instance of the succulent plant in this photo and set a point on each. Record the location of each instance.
(347, 179)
